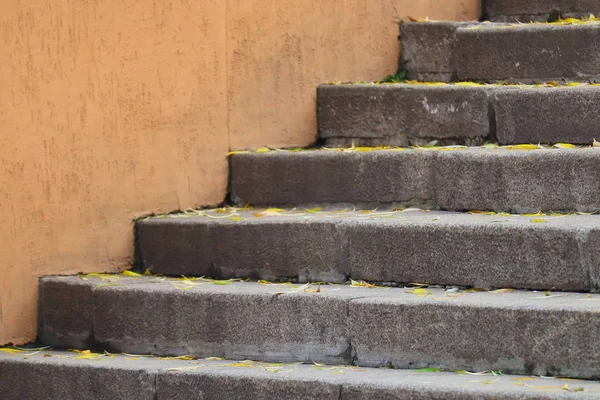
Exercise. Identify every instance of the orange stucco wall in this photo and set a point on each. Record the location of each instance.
(113, 109)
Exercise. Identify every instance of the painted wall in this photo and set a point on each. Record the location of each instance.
(110, 109)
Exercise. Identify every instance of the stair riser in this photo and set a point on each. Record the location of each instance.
(484, 253)
(376, 327)
(569, 52)
(498, 180)
(402, 115)
(540, 10)
(152, 379)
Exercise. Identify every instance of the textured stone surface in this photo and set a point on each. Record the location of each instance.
(521, 332)
(258, 248)
(175, 246)
(518, 181)
(473, 179)
(236, 320)
(65, 313)
(485, 251)
(283, 178)
(549, 115)
(403, 113)
(428, 50)
(530, 53)
(538, 10)
(437, 247)
(61, 377)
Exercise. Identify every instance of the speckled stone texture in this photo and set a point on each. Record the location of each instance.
(538, 10)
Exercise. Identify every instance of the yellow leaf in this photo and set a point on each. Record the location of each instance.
(237, 219)
(524, 147)
(418, 291)
(314, 210)
(537, 214)
(596, 144)
(231, 153)
(473, 290)
(524, 379)
(564, 146)
(263, 150)
(264, 282)
(537, 220)
(503, 291)
(261, 214)
(147, 272)
(227, 282)
(131, 274)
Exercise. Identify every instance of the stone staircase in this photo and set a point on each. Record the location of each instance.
(463, 265)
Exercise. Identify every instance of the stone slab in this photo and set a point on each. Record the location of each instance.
(518, 181)
(428, 50)
(237, 320)
(58, 303)
(547, 115)
(538, 10)
(40, 377)
(530, 53)
(520, 332)
(403, 114)
(258, 248)
(53, 375)
(286, 178)
(491, 251)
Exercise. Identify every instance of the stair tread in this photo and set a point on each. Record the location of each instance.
(61, 375)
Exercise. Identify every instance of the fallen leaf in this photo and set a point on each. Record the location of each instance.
(131, 274)
(524, 147)
(537, 220)
(503, 291)
(428, 370)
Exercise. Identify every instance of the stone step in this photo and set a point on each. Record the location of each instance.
(532, 333)
(409, 114)
(494, 52)
(538, 10)
(55, 375)
(486, 251)
(500, 180)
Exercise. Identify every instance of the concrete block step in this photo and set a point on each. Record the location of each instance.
(335, 245)
(463, 113)
(494, 52)
(532, 333)
(500, 180)
(55, 375)
(538, 10)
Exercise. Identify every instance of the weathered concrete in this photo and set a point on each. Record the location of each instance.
(530, 331)
(428, 50)
(491, 251)
(530, 53)
(58, 376)
(236, 320)
(474, 179)
(65, 313)
(518, 181)
(283, 178)
(403, 113)
(521, 332)
(547, 115)
(120, 377)
(259, 248)
(538, 10)
(399, 115)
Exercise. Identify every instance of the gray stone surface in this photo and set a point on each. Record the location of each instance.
(61, 377)
(538, 10)
(520, 332)
(518, 181)
(403, 113)
(530, 53)
(548, 115)
(486, 251)
(473, 179)
(283, 178)
(258, 248)
(428, 50)
(492, 251)
(58, 303)
(54, 378)
(175, 246)
(237, 320)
